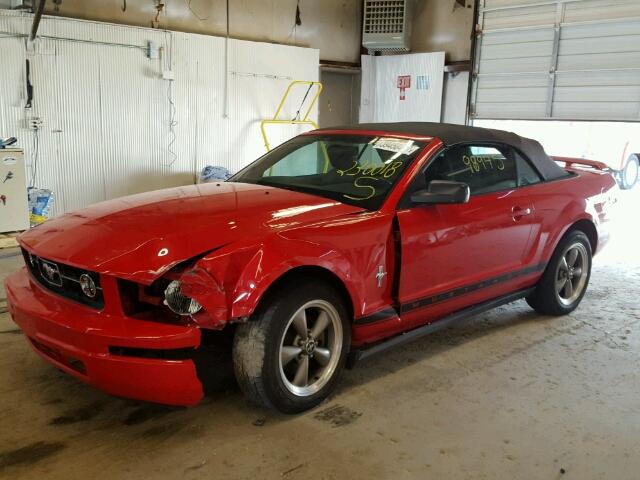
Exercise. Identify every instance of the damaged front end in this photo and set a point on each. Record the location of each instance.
(184, 295)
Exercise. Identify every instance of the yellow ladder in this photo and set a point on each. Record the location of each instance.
(296, 121)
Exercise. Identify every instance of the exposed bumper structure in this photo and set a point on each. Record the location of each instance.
(107, 350)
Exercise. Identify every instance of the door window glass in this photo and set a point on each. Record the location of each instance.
(484, 169)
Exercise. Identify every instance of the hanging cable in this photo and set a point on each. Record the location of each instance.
(297, 21)
(36, 20)
(172, 124)
(167, 64)
(297, 117)
(225, 113)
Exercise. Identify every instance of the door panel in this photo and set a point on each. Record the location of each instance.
(446, 247)
(457, 255)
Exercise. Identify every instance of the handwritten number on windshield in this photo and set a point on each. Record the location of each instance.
(370, 188)
(368, 172)
(385, 171)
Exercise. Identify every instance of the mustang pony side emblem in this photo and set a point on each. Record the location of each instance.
(380, 275)
(51, 273)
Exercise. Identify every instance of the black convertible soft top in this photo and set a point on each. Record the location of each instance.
(451, 134)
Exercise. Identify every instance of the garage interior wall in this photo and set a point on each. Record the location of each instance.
(438, 25)
(332, 26)
(443, 26)
(339, 103)
(112, 126)
(446, 26)
(562, 59)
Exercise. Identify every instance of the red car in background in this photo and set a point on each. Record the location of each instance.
(336, 245)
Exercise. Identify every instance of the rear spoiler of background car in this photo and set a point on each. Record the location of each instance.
(570, 162)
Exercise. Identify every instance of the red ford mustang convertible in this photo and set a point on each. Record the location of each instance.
(336, 245)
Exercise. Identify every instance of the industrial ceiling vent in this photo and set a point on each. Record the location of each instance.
(386, 25)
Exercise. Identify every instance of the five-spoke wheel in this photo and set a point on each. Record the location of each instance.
(571, 276)
(566, 277)
(310, 347)
(290, 353)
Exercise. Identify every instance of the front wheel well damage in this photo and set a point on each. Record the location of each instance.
(589, 229)
(307, 273)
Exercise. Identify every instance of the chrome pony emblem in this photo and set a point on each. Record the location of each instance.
(50, 273)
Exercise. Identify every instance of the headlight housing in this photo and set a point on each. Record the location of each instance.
(178, 302)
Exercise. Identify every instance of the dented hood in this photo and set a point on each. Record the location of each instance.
(142, 236)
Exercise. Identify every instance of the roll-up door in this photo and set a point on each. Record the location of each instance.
(559, 59)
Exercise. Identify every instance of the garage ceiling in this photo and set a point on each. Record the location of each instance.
(560, 59)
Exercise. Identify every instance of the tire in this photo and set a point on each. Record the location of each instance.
(629, 174)
(270, 350)
(553, 294)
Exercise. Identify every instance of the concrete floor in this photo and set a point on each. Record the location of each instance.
(507, 395)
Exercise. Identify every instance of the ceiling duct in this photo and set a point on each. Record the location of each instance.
(387, 25)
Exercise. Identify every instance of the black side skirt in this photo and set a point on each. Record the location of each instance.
(411, 335)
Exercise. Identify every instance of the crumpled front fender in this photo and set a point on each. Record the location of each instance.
(350, 249)
(243, 275)
(200, 285)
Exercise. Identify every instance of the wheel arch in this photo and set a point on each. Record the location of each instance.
(589, 229)
(304, 272)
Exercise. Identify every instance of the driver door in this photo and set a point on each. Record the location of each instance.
(457, 255)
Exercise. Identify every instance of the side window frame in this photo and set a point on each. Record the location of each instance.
(418, 182)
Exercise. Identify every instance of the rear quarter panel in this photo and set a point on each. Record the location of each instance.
(559, 204)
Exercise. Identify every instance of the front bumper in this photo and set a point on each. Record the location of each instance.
(77, 340)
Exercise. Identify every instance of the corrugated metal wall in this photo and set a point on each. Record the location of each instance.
(561, 59)
(107, 111)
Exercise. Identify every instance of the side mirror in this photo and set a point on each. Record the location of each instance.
(442, 191)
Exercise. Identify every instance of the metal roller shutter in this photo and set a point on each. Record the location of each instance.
(557, 59)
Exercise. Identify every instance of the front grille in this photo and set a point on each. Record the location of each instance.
(63, 280)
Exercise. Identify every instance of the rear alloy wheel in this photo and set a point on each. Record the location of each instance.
(629, 174)
(572, 273)
(566, 277)
(289, 354)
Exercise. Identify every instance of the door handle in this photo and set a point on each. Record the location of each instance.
(519, 212)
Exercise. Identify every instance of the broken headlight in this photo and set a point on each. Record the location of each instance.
(178, 302)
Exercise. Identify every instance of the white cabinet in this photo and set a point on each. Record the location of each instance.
(14, 210)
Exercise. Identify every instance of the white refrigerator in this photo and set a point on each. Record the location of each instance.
(14, 209)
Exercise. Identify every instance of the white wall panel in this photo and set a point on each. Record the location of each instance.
(569, 59)
(454, 95)
(381, 100)
(107, 110)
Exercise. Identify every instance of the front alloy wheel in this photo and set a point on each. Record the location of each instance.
(289, 354)
(310, 348)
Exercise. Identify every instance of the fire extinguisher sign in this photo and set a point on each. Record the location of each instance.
(404, 82)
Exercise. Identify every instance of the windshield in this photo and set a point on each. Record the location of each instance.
(355, 169)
